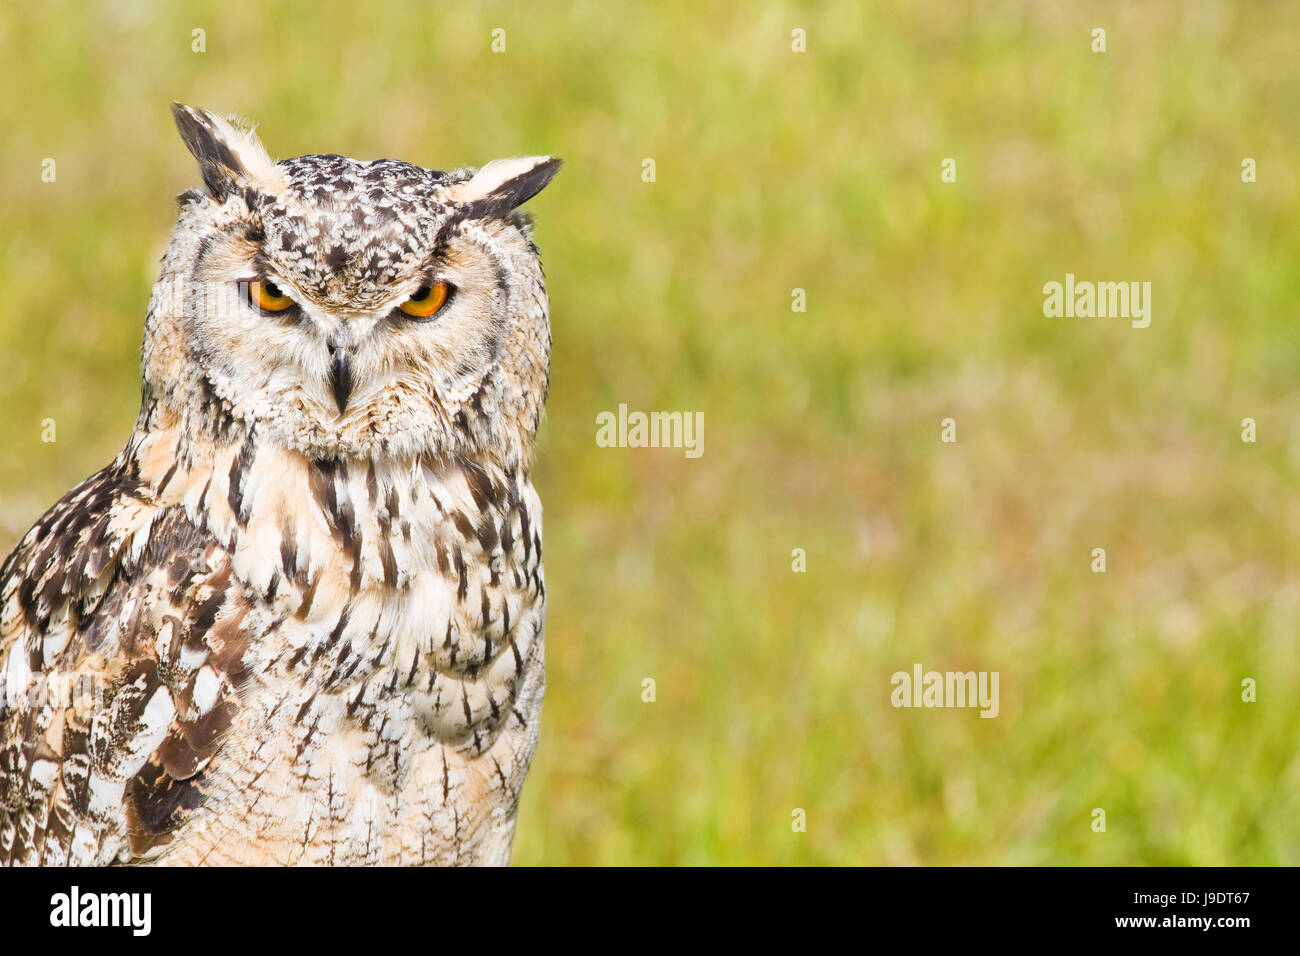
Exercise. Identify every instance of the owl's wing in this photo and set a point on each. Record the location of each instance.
(121, 645)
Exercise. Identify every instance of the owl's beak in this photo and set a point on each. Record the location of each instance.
(340, 375)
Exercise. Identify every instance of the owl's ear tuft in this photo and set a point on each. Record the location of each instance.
(504, 184)
(229, 154)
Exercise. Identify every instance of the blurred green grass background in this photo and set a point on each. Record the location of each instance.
(778, 170)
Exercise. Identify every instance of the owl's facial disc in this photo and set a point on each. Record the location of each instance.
(383, 306)
(263, 296)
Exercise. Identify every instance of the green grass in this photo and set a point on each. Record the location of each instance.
(819, 171)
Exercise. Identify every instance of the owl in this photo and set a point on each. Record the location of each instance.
(299, 619)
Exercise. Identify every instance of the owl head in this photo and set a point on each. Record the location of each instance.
(347, 308)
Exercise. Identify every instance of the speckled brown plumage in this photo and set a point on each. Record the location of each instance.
(281, 628)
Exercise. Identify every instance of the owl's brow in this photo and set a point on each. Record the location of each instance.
(262, 265)
(446, 230)
(451, 226)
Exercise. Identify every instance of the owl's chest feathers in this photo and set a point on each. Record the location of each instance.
(390, 608)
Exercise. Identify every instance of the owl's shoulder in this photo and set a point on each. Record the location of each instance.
(121, 642)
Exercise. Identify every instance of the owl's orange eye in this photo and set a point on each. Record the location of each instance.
(427, 301)
(267, 296)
